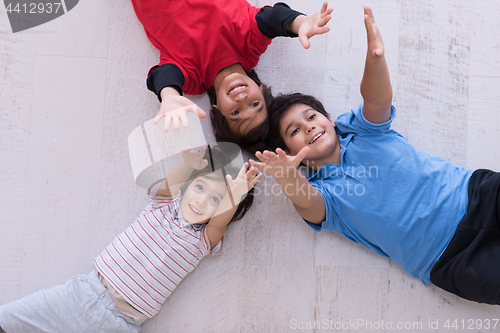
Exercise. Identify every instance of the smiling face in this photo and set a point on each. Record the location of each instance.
(201, 199)
(241, 102)
(302, 126)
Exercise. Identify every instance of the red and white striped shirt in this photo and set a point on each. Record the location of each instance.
(150, 258)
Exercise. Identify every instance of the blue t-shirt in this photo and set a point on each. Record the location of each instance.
(385, 195)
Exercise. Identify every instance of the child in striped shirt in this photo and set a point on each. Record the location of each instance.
(184, 221)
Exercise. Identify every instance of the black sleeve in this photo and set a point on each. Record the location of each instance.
(166, 75)
(272, 21)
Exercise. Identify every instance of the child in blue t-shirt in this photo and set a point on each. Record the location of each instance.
(364, 181)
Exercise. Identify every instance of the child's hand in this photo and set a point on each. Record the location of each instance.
(279, 164)
(174, 109)
(375, 43)
(194, 159)
(244, 182)
(313, 24)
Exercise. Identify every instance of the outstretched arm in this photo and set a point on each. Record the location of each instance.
(166, 82)
(310, 25)
(307, 200)
(376, 86)
(281, 20)
(180, 173)
(174, 108)
(237, 189)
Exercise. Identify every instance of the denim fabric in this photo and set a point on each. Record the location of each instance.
(80, 305)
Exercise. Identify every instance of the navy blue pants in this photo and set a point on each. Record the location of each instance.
(470, 265)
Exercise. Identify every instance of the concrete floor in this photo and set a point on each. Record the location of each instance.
(73, 89)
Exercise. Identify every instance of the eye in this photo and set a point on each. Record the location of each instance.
(235, 112)
(295, 131)
(255, 104)
(198, 187)
(312, 116)
(215, 200)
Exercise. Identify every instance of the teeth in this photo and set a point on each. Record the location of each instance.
(236, 89)
(316, 137)
(195, 210)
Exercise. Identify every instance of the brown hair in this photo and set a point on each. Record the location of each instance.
(278, 109)
(255, 139)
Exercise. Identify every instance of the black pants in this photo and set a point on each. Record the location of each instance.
(470, 265)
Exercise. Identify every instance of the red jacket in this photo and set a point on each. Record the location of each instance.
(202, 37)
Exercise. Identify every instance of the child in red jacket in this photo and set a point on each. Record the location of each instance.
(214, 44)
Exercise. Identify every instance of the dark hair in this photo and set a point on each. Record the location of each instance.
(255, 139)
(220, 156)
(278, 109)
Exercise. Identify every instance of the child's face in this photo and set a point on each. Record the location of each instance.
(241, 102)
(303, 126)
(201, 199)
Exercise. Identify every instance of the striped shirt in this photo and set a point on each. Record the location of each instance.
(150, 258)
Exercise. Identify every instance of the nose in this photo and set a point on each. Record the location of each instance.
(202, 200)
(310, 128)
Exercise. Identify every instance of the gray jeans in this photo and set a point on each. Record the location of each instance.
(82, 304)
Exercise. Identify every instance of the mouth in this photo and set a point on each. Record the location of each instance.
(316, 137)
(236, 89)
(196, 211)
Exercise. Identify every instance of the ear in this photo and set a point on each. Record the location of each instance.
(214, 106)
(261, 88)
(333, 123)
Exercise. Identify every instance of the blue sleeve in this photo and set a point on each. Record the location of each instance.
(334, 223)
(328, 223)
(355, 122)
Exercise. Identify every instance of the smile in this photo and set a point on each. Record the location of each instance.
(195, 210)
(316, 137)
(237, 89)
